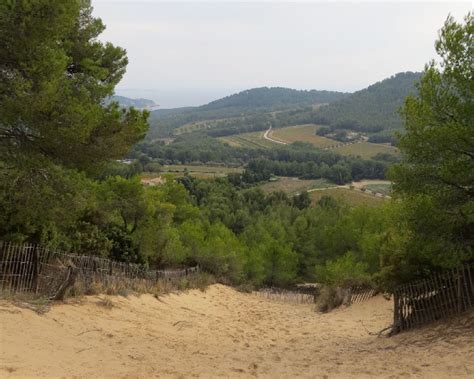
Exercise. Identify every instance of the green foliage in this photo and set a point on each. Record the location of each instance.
(247, 110)
(54, 77)
(372, 109)
(344, 271)
(435, 178)
(56, 131)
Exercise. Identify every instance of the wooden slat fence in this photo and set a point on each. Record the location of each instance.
(308, 295)
(32, 268)
(439, 296)
(279, 294)
(361, 293)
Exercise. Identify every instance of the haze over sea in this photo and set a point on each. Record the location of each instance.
(175, 98)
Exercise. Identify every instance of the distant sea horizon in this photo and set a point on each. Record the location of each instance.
(176, 98)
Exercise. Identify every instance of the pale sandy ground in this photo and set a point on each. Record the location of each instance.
(224, 333)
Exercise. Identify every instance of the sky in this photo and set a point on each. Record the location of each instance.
(190, 53)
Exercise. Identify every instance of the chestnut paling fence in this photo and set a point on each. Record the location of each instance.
(309, 294)
(289, 296)
(35, 269)
(438, 296)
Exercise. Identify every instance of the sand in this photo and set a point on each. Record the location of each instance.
(224, 333)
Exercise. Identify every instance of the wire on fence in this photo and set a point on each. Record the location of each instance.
(439, 296)
(308, 295)
(32, 268)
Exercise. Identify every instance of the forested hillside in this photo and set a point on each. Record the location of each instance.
(252, 104)
(273, 98)
(371, 110)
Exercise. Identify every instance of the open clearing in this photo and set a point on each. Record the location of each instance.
(294, 185)
(304, 133)
(350, 197)
(366, 149)
(224, 333)
(253, 140)
(201, 171)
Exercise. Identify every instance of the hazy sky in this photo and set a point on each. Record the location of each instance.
(191, 53)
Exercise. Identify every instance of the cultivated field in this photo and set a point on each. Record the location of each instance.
(201, 171)
(198, 125)
(303, 133)
(292, 186)
(306, 133)
(352, 197)
(224, 333)
(188, 128)
(252, 140)
(366, 149)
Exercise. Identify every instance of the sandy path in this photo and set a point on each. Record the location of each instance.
(223, 333)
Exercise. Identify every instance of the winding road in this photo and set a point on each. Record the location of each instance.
(265, 135)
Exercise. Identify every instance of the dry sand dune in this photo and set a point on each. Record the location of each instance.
(224, 333)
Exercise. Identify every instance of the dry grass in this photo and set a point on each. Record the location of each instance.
(112, 287)
(330, 298)
(106, 302)
(348, 196)
(35, 302)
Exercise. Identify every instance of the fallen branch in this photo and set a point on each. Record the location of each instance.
(88, 331)
(69, 282)
(378, 334)
(86, 348)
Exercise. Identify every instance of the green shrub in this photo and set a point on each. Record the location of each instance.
(344, 271)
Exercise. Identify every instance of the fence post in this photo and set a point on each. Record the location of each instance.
(36, 268)
(395, 312)
(459, 291)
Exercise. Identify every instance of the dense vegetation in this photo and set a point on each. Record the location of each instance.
(373, 110)
(274, 98)
(244, 110)
(60, 186)
(298, 160)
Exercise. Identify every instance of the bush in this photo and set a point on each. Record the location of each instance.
(344, 271)
(330, 298)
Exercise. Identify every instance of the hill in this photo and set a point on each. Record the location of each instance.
(373, 109)
(136, 103)
(241, 111)
(274, 97)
